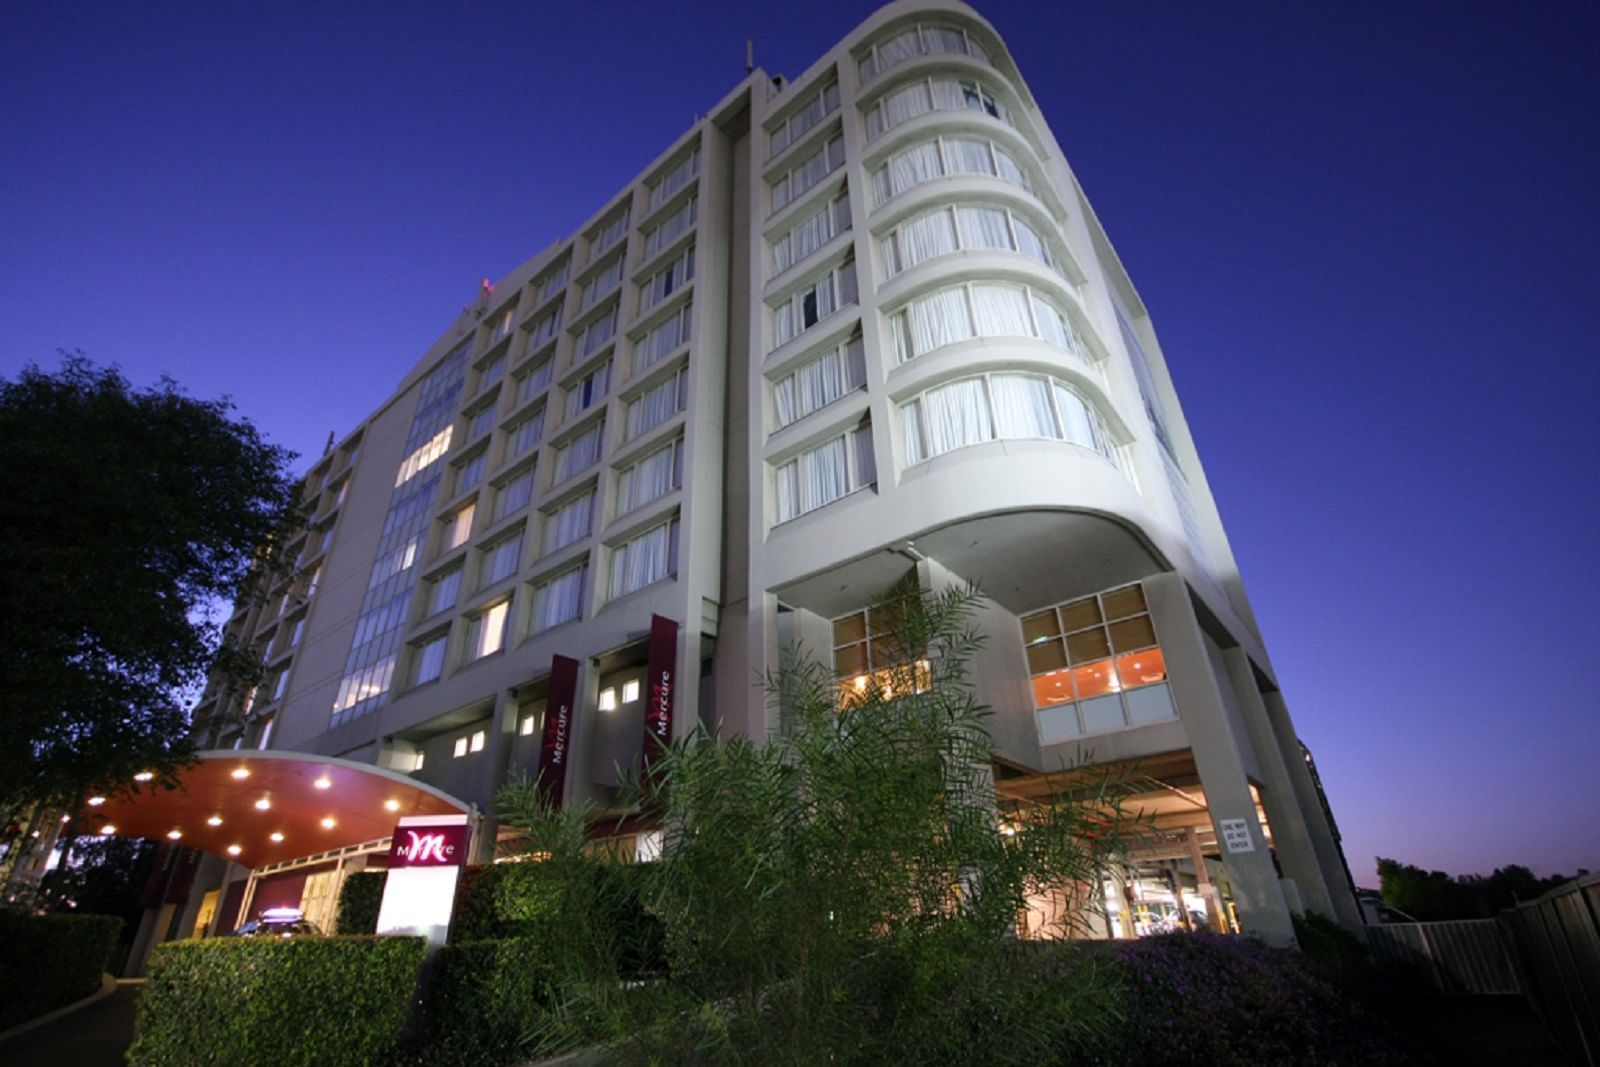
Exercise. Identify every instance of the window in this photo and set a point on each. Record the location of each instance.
(820, 382)
(479, 737)
(514, 495)
(808, 172)
(607, 234)
(608, 699)
(458, 527)
(868, 654)
(944, 155)
(560, 599)
(430, 659)
(651, 478)
(598, 334)
(950, 229)
(991, 407)
(676, 178)
(442, 592)
(672, 227)
(423, 456)
(297, 633)
(313, 582)
(657, 404)
(500, 324)
(603, 283)
(981, 309)
(587, 391)
(570, 522)
(826, 473)
(814, 110)
(482, 421)
(471, 472)
(460, 747)
(796, 244)
(919, 40)
(668, 280)
(630, 691)
(526, 727)
(663, 339)
(280, 682)
(500, 560)
(486, 631)
(556, 280)
(815, 302)
(544, 328)
(1096, 665)
(580, 453)
(525, 433)
(532, 383)
(646, 559)
(493, 372)
(931, 94)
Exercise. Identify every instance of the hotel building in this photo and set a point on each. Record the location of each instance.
(851, 329)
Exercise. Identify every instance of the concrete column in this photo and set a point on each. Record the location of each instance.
(1290, 829)
(1335, 875)
(1263, 912)
(580, 783)
(502, 732)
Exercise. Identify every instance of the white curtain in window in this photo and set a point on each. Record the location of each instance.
(915, 165)
(514, 495)
(787, 483)
(1078, 419)
(984, 227)
(824, 475)
(947, 95)
(911, 428)
(534, 381)
(503, 560)
(1029, 243)
(653, 408)
(527, 433)
(579, 454)
(957, 415)
(1010, 170)
(819, 383)
(945, 39)
(968, 156)
(570, 523)
(1001, 310)
(939, 319)
(560, 599)
(641, 561)
(445, 589)
(1052, 327)
(650, 478)
(923, 238)
(898, 49)
(599, 332)
(1022, 406)
(905, 104)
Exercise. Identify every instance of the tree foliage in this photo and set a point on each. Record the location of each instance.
(1433, 895)
(125, 516)
(842, 893)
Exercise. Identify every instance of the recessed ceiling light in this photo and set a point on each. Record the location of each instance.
(95, 802)
(241, 773)
(173, 835)
(215, 820)
(392, 805)
(107, 830)
(66, 818)
(144, 776)
(328, 823)
(234, 850)
(277, 838)
(263, 804)
(324, 782)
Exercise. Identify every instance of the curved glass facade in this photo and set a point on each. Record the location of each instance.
(980, 309)
(1004, 406)
(942, 157)
(958, 228)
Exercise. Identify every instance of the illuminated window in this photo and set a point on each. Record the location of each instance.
(608, 699)
(1096, 665)
(486, 631)
(478, 737)
(870, 655)
(526, 729)
(458, 527)
(460, 748)
(630, 691)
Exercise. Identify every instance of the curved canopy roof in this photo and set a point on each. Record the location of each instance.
(264, 807)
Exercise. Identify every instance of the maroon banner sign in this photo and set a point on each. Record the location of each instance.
(430, 845)
(661, 688)
(557, 728)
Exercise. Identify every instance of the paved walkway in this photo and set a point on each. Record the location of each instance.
(95, 1036)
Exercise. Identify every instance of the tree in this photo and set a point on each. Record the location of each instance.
(846, 892)
(126, 516)
(1433, 895)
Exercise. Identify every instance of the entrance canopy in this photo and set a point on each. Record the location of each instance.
(257, 808)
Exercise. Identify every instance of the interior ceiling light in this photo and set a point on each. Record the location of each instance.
(392, 805)
(173, 835)
(263, 804)
(234, 850)
(144, 776)
(277, 837)
(66, 818)
(107, 830)
(95, 802)
(328, 823)
(215, 820)
(324, 782)
(241, 773)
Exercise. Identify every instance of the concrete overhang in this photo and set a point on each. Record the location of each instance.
(229, 799)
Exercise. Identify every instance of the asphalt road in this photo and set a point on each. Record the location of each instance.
(95, 1036)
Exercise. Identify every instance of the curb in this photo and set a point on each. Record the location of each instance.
(108, 986)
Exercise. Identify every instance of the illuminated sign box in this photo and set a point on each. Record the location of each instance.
(425, 858)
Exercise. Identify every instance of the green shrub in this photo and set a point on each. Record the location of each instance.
(483, 999)
(505, 900)
(242, 1002)
(49, 961)
(1341, 954)
(359, 900)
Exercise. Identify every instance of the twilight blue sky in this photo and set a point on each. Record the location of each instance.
(1369, 235)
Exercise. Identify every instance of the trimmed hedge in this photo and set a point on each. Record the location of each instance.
(483, 999)
(49, 961)
(360, 898)
(243, 1002)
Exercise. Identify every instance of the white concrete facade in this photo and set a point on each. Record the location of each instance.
(998, 410)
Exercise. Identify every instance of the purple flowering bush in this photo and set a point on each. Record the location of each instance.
(1208, 999)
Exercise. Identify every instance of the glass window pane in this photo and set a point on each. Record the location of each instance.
(1048, 656)
(1088, 645)
(1053, 687)
(850, 629)
(1080, 613)
(1058, 724)
(1102, 714)
(1039, 625)
(1121, 603)
(1094, 679)
(1141, 668)
(1130, 634)
(850, 660)
(1151, 704)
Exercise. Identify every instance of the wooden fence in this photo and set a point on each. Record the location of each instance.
(1467, 956)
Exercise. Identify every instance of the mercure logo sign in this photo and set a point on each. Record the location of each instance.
(429, 846)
